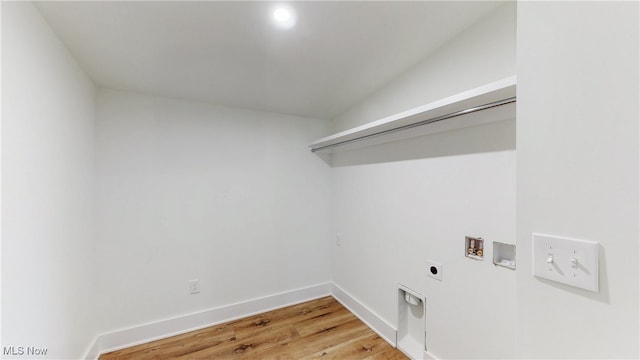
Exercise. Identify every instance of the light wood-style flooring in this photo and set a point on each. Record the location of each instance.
(318, 329)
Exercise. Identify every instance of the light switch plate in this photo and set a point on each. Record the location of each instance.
(568, 261)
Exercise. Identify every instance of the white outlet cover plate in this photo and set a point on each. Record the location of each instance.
(552, 260)
(194, 286)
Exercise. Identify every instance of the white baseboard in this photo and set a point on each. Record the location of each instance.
(429, 356)
(373, 320)
(144, 333)
(93, 352)
(124, 338)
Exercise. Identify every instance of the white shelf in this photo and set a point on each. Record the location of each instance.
(473, 107)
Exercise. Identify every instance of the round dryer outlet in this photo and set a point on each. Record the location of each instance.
(434, 270)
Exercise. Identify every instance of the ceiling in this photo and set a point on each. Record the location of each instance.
(229, 53)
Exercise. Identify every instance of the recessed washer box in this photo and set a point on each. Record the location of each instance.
(568, 261)
(474, 247)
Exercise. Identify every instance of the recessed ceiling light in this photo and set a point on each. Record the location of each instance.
(284, 17)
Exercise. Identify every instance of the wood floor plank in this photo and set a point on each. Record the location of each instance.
(284, 317)
(313, 343)
(389, 354)
(323, 322)
(236, 349)
(321, 328)
(356, 348)
(174, 346)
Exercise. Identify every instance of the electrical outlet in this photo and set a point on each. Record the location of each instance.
(194, 286)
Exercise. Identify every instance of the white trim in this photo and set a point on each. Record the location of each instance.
(430, 356)
(370, 318)
(93, 351)
(125, 338)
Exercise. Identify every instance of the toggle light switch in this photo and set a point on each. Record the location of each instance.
(574, 263)
(569, 261)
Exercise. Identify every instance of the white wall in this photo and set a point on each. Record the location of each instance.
(188, 190)
(399, 204)
(578, 172)
(479, 55)
(47, 190)
(393, 217)
(232, 197)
